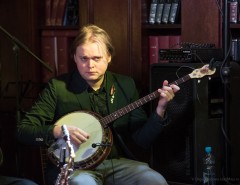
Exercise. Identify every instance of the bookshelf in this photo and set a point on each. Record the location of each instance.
(152, 30)
(126, 40)
(235, 42)
(234, 26)
(200, 23)
(191, 26)
(58, 27)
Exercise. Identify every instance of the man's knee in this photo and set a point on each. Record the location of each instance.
(83, 178)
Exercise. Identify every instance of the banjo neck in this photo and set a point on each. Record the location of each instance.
(197, 73)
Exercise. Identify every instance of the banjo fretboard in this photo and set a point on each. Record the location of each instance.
(117, 114)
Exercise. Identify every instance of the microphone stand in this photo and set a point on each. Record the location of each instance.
(16, 47)
(63, 176)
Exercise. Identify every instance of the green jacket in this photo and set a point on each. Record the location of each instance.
(68, 93)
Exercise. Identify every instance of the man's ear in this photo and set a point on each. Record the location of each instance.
(74, 58)
(109, 58)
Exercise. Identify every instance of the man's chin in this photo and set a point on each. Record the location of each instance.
(92, 80)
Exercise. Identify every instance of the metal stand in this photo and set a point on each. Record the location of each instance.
(16, 47)
(66, 168)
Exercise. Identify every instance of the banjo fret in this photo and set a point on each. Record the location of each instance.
(181, 80)
(119, 113)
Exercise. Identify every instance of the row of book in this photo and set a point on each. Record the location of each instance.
(234, 15)
(61, 12)
(162, 42)
(55, 46)
(164, 11)
(235, 49)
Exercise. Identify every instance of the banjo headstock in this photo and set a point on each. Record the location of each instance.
(201, 72)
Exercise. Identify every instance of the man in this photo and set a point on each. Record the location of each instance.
(94, 89)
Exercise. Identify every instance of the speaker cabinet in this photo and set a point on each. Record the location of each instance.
(234, 126)
(196, 113)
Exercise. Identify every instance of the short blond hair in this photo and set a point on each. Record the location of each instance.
(92, 33)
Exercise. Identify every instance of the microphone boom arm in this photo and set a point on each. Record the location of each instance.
(21, 45)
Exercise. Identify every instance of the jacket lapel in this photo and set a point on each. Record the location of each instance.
(111, 93)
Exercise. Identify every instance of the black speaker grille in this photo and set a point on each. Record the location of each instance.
(172, 150)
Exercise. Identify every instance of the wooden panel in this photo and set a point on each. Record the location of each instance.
(201, 22)
(85, 11)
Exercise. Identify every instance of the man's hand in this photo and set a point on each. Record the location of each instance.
(167, 93)
(77, 135)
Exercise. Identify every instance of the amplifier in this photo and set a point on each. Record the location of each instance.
(191, 55)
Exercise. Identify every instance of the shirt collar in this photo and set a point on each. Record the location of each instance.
(103, 87)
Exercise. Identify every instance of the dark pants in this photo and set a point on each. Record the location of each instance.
(115, 172)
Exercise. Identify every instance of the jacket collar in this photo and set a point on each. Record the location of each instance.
(79, 87)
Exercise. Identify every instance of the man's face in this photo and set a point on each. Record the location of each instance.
(92, 62)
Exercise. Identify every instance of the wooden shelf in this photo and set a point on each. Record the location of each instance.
(235, 26)
(161, 26)
(59, 32)
(59, 27)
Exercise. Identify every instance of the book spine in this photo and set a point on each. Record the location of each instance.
(238, 50)
(144, 13)
(48, 51)
(48, 7)
(152, 11)
(153, 49)
(163, 43)
(71, 16)
(60, 12)
(159, 12)
(174, 42)
(234, 49)
(166, 11)
(54, 12)
(62, 55)
(174, 11)
(233, 11)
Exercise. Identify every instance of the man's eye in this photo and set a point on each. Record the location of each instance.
(84, 58)
(96, 58)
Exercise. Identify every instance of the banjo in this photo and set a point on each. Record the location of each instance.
(96, 149)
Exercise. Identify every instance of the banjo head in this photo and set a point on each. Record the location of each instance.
(86, 156)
